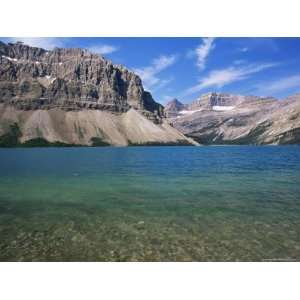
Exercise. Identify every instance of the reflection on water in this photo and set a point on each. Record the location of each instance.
(150, 204)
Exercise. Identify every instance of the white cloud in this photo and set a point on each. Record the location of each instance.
(149, 74)
(222, 77)
(163, 62)
(103, 49)
(277, 86)
(203, 51)
(162, 83)
(47, 43)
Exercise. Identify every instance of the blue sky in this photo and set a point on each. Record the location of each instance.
(185, 68)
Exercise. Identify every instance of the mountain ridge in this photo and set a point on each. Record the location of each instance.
(219, 118)
(69, 78)
(73, 96)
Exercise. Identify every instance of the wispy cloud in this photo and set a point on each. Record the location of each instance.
(150, 73)
(162, 83)
(103, 49)
(278, 86)
(44, 42)
(257, 44)
(244, 49)
(239, 61)
(203, 51)
(166, 98)
(222, 77)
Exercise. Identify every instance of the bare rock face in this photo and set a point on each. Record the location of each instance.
(173, 107)
(34, 78)
(209, 100)
(236, 119)
(75, 97)
(213, 101)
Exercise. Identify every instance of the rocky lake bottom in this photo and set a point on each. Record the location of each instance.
(219, 203)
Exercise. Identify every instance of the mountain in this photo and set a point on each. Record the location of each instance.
(218, 118)
(73, 96)
(173, 107)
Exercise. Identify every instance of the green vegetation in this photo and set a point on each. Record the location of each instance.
(41, 142)
(11, 139)
(98, 142)
(79, 131)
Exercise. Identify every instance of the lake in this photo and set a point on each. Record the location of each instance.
(218, 203)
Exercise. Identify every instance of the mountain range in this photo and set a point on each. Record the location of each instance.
(71, 96)
(219, 118)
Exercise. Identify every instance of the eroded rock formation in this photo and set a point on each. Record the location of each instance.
(73, 96)
(235, 119)
(71, 78)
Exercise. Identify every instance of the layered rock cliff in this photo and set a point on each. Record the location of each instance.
(235, 119)
(72, 96)
(69, 78)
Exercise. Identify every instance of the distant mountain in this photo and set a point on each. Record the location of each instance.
(173, 107)
(73, 96)
(213, 101)
(218, 118)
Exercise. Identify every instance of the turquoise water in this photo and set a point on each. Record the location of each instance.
(231, 203)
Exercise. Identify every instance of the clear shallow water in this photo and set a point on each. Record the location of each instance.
(150, 204)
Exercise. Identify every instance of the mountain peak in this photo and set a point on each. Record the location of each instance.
(69, 78)
(173, 107)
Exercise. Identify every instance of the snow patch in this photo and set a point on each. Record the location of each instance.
(50, 78)
(60, 63)
(188, 112)
(222, 108)
(9, 58)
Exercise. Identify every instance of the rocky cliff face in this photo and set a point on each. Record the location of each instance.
(34, 78)
(235, 119)
(73, 96)
(212, 101)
